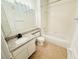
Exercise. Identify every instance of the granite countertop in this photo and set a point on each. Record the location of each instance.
(16, 43)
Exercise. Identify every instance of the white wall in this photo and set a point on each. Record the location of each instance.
(60, 20)
(38, 14)
(74, 43)
(5, 24)
(44, 15)
(20, 18)
(5, 53)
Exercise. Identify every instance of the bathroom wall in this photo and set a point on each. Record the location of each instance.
(74, 42)
(5, 24)
(5, 53)
(44, 15)
(20, 17)
(38, 13)
(59, 20)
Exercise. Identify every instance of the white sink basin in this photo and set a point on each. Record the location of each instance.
(22, 40)
(14, 43)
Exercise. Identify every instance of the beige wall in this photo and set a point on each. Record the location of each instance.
(60, 19)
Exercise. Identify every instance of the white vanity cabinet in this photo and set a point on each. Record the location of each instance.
(25, 51)
(24, 47)
(22, 55)
(31, 47)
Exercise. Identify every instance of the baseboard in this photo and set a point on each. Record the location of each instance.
(57, 40)
(63, 43)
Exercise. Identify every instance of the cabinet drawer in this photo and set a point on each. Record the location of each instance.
(19, 50)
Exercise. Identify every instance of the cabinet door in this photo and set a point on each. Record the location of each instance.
(22, 55)
(31, 47)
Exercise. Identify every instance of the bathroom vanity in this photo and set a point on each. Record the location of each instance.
(24, 51)
(24, 47)
(19, 17)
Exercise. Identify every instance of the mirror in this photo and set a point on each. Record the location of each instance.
(17, 16)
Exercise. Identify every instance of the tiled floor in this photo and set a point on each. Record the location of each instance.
(49, 51)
